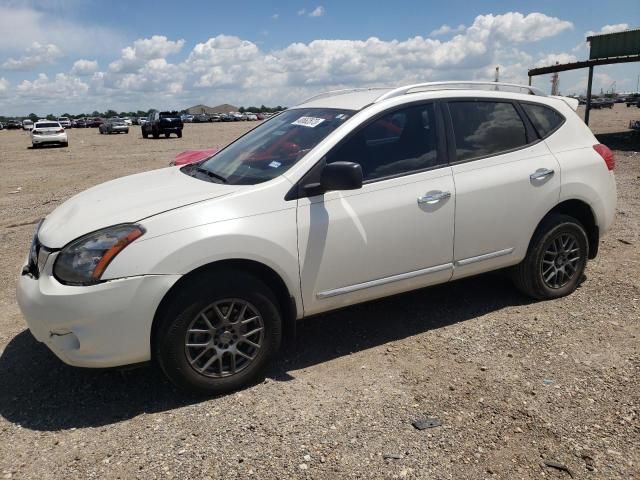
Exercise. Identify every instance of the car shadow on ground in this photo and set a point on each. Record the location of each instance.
(39, 392)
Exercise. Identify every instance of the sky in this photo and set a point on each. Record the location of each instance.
(74, 56)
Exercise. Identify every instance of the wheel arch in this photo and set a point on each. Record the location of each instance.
(582, 212)
(261, 271)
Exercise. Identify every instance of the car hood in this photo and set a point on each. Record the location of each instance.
(127, 199)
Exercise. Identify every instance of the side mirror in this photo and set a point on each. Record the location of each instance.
(341, 176)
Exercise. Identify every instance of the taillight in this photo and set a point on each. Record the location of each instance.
(606, 154)
(60, 131)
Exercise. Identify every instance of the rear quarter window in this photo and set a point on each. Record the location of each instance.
(544, 119)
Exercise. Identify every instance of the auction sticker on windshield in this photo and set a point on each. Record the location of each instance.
(310, 122)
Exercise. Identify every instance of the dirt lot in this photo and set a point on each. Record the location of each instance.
(514, 383)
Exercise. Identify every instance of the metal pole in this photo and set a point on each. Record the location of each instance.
(589, 84)
(529, 80)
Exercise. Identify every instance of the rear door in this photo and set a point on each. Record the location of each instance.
(506, 181)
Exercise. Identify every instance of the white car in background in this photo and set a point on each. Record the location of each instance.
(348, 197)
(127, 121)
(65, 122)
(48, 133)
(27, 124)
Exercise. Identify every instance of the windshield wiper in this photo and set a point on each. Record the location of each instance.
(211, 174)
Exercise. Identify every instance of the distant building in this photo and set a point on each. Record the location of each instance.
(224, 108)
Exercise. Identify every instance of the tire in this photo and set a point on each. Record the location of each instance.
(545, 274)
(166, 135)
(179, 133)
(65, 144)
(145, 134)
(228, 290)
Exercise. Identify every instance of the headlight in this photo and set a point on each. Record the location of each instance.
(83, 261)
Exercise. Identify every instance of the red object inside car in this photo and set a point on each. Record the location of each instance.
(192, 156)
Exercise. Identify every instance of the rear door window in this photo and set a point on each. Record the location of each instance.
(544, 119)
(485, 128)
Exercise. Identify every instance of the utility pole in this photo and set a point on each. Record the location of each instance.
(497, 77)
(555, 83)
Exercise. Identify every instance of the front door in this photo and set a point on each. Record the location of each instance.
(392, 235)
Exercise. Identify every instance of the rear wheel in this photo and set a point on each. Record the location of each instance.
(145, 134)
(179, 133)
(219, 333)
(556, 259)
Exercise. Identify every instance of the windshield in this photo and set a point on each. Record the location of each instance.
(273, 147)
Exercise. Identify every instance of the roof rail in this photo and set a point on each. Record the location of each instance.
(343, 91)
(460, 85)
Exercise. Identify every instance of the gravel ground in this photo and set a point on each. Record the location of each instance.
(519, 386)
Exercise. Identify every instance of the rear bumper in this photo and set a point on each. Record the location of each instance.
(104, 325)
(41, 139)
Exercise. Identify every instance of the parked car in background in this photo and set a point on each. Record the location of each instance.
(186, 118)
(251, 116)
(94, 122)
(602, 103)
(1, 126)
(192, 156)
(162, 123)
(200, 118)
(342, 199)
(214, 117)
(114, 125)
(80, 123)
(127, 121)
(27, 124)
(142, 121)
(226, 117)
(65, 122)
(13, 125)
(48, 132)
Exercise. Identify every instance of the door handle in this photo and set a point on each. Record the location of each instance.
(433, 198)
(541, 173)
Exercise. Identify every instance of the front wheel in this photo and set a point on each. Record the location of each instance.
(556, 259)
(219, 333)
(179, 133)
(145, 134)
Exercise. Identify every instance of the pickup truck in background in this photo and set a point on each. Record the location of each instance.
(162, 123)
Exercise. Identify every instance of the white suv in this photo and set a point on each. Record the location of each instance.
(350, 196)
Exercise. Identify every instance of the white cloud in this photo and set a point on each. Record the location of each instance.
(61, 86)
(275, 16)
(20, 25)
(618, 27)
(84, 67)
(144, 50)
(302, 11)
(446, 29)
(552, 58)
(317, 12)
(35, 55)
(4, 86)
(230, 69)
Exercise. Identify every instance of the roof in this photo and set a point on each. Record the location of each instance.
(358, 98)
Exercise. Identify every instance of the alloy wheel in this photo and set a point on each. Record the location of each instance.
(224, 338)
(560, 260)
